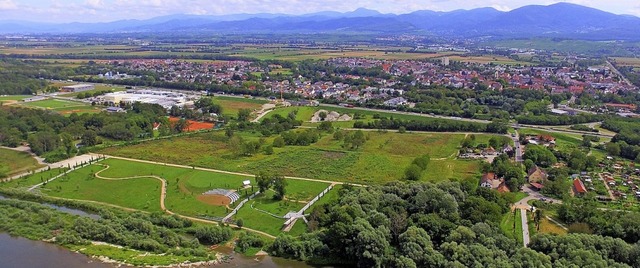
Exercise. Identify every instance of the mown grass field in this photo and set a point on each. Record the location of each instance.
(14, 162)
(231, 105)
(184, 185)
(141, 194)
(383, 158)
(64, 107)
(31, 180)
(12, 98)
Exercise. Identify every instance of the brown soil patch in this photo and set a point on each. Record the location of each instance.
(333, 155)
(214, 199)
(193, 125)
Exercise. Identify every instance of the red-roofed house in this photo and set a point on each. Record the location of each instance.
(578, 187)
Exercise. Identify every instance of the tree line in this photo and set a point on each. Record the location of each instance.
(436, 225)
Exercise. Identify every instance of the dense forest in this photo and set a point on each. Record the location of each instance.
(442, 225)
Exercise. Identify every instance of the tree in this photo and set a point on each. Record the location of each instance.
(181, 125)
(358, 139)
(325, 126)
(413, 172)
(322, 115)
(278, 142)
(240, 223)
(280, 187)
(244, 115)
(264, 181)
(89, 138)
(537, 217)
(402, 129)
(613, 149)
(268, 150)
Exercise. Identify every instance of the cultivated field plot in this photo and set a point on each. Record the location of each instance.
(635, 62)
(383, 157)
(14, 162)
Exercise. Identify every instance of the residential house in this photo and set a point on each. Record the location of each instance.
(537, 175)
(578, 187)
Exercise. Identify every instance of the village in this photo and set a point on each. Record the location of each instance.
(386, 85)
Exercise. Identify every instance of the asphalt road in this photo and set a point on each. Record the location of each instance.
(525, 227)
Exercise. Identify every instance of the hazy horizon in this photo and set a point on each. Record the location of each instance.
(112, 10)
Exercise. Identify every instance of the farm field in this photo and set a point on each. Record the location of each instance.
(635, 62)
(388, 152)
(14, 162)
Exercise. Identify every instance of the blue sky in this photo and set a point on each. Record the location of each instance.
(110, 10)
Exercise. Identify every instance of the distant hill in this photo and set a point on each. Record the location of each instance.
(557, 20)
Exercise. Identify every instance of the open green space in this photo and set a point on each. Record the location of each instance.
(14, 162)
(265, 202)
(231, 105)
(141, 193)
(388, 152)
(12, 98)
(511, 225)
(33, 179)
(65, 107)
(260, 221)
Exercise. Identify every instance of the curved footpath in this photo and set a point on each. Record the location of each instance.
(219, 171)
(163, 195)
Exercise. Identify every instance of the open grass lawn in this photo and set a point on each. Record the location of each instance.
(265, 202)
(260, 221)
(12, 98)
(507, 226)
(231, 105)
(54, 104)
(64, 107)
(299, 228)
(304, 190)
(141, 193)
(31, 180)
(14, 162)
(548, 227)
(382, 159)
(332, 195)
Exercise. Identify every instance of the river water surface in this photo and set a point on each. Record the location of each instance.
(17, 252)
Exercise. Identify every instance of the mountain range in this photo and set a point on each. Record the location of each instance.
(562, 20)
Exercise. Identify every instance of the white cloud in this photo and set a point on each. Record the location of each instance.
(7, 5)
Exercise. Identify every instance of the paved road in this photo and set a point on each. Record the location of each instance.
(615, 70)
(533, 195)
(517, 147)
(525, 227)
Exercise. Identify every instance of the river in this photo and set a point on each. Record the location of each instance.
(21, 252)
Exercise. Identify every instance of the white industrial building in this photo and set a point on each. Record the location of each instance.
(165, 99)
